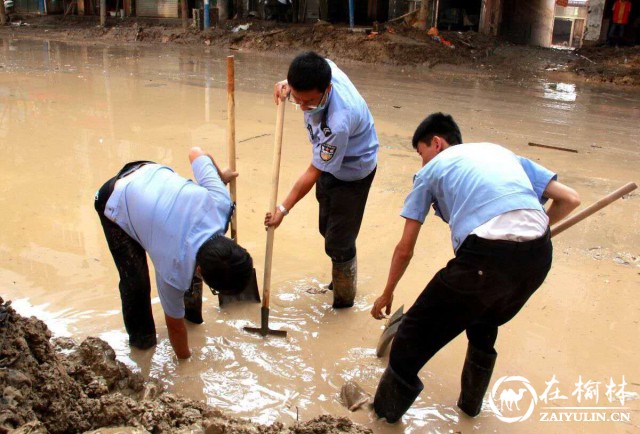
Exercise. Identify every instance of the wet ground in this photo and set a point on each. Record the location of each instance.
(72, 115)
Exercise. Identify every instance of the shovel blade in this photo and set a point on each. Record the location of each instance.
(397, 316)
(249, 294)
(391, 328)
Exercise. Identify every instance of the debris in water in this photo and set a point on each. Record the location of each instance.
(353, 396)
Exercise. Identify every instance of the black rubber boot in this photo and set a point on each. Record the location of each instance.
(394, 395)
(344, 281)
(193, 302)
(143, 342)
(476, 374)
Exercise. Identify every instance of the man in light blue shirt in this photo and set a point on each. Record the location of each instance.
(493, 202)
(148, 208)
(345, 155)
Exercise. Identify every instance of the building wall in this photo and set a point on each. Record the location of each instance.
(397, 8)
(490, 17)
(26, 6)
(594, 20)
(313, 10)
(528, 21)
(157, 8)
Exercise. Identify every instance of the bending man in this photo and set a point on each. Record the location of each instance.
(492, 200)
(148, 208)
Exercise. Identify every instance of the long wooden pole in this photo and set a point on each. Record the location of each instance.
(231, 140)
(595, 207)
(275, 178)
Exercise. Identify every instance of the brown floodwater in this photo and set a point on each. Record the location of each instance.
(72, 115)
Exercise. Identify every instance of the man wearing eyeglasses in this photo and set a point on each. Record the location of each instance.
(345, 153)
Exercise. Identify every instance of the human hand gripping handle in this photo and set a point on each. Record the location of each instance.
(385, 301)
(281, 91)
(227, 175)
(273, 219)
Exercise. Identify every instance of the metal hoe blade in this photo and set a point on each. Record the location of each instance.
(264, 329)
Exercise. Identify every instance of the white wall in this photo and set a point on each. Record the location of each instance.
(594, 20)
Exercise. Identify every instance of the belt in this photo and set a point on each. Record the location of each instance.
(507, 245)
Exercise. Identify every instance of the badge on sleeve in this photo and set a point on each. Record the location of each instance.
(327, 151)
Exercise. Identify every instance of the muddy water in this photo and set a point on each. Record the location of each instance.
(72, 115)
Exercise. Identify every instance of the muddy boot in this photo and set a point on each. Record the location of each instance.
(394, 395)
(344, 279)
(476, 374)
(138, 317)
(143, 342)
(193, 302)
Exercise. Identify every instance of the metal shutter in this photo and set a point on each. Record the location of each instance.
(157, 8)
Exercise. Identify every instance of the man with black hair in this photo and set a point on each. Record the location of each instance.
(148, 208)
(493, 202)
(345, 152)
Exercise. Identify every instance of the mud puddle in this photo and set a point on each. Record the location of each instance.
(72, 115)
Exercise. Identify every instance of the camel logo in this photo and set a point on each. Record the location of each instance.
(513, 399)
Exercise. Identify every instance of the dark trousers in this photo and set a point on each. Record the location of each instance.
(483, 287)
(616, 33)
(131, 262)
(342, 206)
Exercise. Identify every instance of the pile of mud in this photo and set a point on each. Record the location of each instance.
(392, 43)
(617, 65)
(57, 386)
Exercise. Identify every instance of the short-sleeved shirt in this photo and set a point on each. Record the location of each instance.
(469, 184)
(171, 217)
(343, 135)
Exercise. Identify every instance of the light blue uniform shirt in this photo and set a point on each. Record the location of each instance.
(171, 217)
(469, 184)
(343, 136)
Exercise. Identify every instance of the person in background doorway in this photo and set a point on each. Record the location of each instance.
(619, 20)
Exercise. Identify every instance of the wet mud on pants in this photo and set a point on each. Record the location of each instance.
(131, 261)
(342, 206)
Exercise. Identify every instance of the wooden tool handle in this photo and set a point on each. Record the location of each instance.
(275, 177)
(231, 140)
(597, 206)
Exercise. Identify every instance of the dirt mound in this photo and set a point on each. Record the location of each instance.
(395, 45)
(391, 43)
(58, 386)
(618, 65)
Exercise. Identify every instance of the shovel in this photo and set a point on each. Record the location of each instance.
(264, 329)
(391, 328)
(250, 292)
